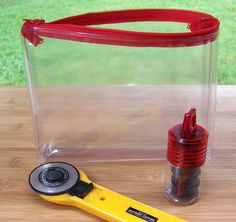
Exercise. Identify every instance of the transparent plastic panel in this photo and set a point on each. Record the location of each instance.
(95, 102)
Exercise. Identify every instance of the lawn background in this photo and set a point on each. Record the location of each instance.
(13, 11)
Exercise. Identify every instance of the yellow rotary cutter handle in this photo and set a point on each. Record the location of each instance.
(61, 183)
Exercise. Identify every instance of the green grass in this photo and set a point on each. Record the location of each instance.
(97, 64)
(13, 11)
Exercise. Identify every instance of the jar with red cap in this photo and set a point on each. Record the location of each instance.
(187, 147)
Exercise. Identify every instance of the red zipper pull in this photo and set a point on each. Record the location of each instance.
(29, 28)
(201, 24)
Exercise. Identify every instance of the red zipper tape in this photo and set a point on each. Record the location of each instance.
(203, 28)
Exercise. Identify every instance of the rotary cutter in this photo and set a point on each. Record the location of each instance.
(63, 184)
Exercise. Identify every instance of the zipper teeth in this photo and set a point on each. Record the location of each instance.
(75, 29)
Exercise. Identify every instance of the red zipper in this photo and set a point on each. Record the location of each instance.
(203, 28)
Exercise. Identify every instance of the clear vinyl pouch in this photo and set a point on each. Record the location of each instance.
(101, 92)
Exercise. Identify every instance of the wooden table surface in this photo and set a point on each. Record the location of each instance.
(143, 181)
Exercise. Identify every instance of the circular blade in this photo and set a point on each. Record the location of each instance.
(53, 178)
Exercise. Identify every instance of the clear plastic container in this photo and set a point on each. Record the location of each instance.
(101, 93)
(183, 184)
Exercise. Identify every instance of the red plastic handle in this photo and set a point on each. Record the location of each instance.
(189, 124)
(203, 28)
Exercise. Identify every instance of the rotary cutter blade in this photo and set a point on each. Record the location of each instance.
(53, 178)
(62, 183)
(58, 178)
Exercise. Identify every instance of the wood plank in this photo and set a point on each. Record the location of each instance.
(143, 181)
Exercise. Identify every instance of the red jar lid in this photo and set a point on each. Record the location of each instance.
(187, 142)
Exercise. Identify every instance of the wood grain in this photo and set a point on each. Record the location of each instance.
(143, 181)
